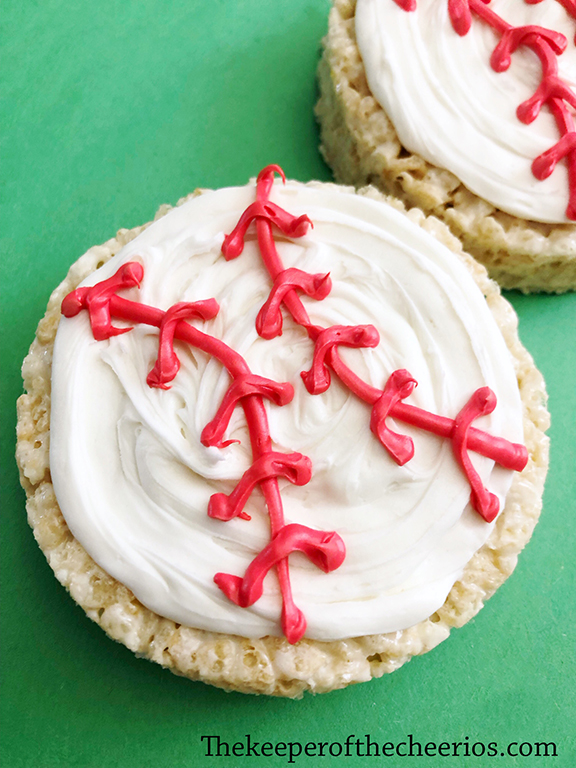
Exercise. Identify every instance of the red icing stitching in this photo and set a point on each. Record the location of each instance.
(386, 402)
(269, 320)
(246, 389)
(242, 386)
(291, 226)
(96, 299)
(399, 386)
(317, 379)
(167, 364)
(482, 402)
(326, 550)
(552, 91)
(293, 466)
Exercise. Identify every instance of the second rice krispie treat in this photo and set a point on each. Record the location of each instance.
(464, 109)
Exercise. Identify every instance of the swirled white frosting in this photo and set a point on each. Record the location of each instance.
(448, 105)
(133, 480)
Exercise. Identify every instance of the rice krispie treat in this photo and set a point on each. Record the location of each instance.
(282, 439)
(464, 109)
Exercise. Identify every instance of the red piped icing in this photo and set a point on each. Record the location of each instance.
(386, 402)
(247, 389)
(317, 379)
(293, 466)
(552, 92)
(325, 550)
(97, 298)
(243, 386)
(269, 320)
(399, 386)
(482, 402)
(167, 364)
(291, 226)
(406, 5)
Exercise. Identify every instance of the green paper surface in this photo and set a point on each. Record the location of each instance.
(109, 110)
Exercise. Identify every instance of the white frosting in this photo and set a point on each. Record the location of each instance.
(133, 480)
(448, 105)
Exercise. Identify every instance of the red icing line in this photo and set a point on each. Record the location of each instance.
(482, 402)
(552, 91)
(509, 455)
(326, 550)
(406, 5)
(317, 379)
(96, 300)
(289, 225)
(399, 386)
(269, 320)
(242, 386)
(293, 466)
(167, 364)
(247, 389)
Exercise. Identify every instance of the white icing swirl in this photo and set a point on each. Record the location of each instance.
(448, 105)
(133, 480)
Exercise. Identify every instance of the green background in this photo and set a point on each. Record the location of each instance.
(110, 109)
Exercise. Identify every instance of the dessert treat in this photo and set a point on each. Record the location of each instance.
(291, 443)
(465, 109)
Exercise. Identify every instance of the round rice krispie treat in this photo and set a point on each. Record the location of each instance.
(282, 439)
(464, 109)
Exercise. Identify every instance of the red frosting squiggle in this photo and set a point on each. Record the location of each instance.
(386, 402)
(327, 550)
(552, 91)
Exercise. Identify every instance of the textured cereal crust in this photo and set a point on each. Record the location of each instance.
(270, 665)
(361, 146)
